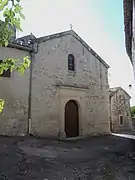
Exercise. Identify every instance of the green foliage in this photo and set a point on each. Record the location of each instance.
(10, 19)
(133, 111)
(2, 102)
(12, 15)
(13, 65)
(3, 3)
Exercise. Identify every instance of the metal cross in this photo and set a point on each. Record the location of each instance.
(71, 26)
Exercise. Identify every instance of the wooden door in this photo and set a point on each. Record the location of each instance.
(71, 119)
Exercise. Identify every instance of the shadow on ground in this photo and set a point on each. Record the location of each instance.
(95, 158)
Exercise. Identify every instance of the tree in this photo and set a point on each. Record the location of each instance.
(11, 15)
(133, 111)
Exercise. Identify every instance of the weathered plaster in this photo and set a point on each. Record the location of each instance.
(14, 91)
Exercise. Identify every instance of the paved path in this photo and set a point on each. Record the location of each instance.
(96, 158)
(129, 136)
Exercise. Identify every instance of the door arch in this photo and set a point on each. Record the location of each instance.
(71, 119)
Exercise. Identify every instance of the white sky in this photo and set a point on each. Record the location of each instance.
(51, 16)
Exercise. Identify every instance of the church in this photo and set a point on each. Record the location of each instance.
(64, 93)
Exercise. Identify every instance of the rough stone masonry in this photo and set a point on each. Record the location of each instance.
(53, 85)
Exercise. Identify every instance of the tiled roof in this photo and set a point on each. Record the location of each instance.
(114, 90)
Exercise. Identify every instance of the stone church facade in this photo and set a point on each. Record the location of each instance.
(120, 114)
(69, 89)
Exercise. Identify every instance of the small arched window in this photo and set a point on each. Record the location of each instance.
(71, 62)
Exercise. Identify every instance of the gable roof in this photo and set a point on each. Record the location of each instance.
(75, 35)
(114, 90)
(128, 16)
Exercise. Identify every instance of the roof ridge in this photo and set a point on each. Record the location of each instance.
(116, 90)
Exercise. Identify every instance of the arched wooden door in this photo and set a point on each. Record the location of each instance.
(71, 119)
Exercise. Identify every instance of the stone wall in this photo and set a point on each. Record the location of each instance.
(50, 74)
(133, 39)
(133, 122)
(52, 87)
(14, 90)
(120, 106)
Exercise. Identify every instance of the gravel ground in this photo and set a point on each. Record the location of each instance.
(95, 158)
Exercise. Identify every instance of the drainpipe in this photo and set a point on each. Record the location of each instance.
(30, 94)
(32, 56)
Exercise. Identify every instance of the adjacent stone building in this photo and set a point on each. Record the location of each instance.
(120, 115)
(63, 94)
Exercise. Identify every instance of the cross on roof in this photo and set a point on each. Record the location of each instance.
(71, 26)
